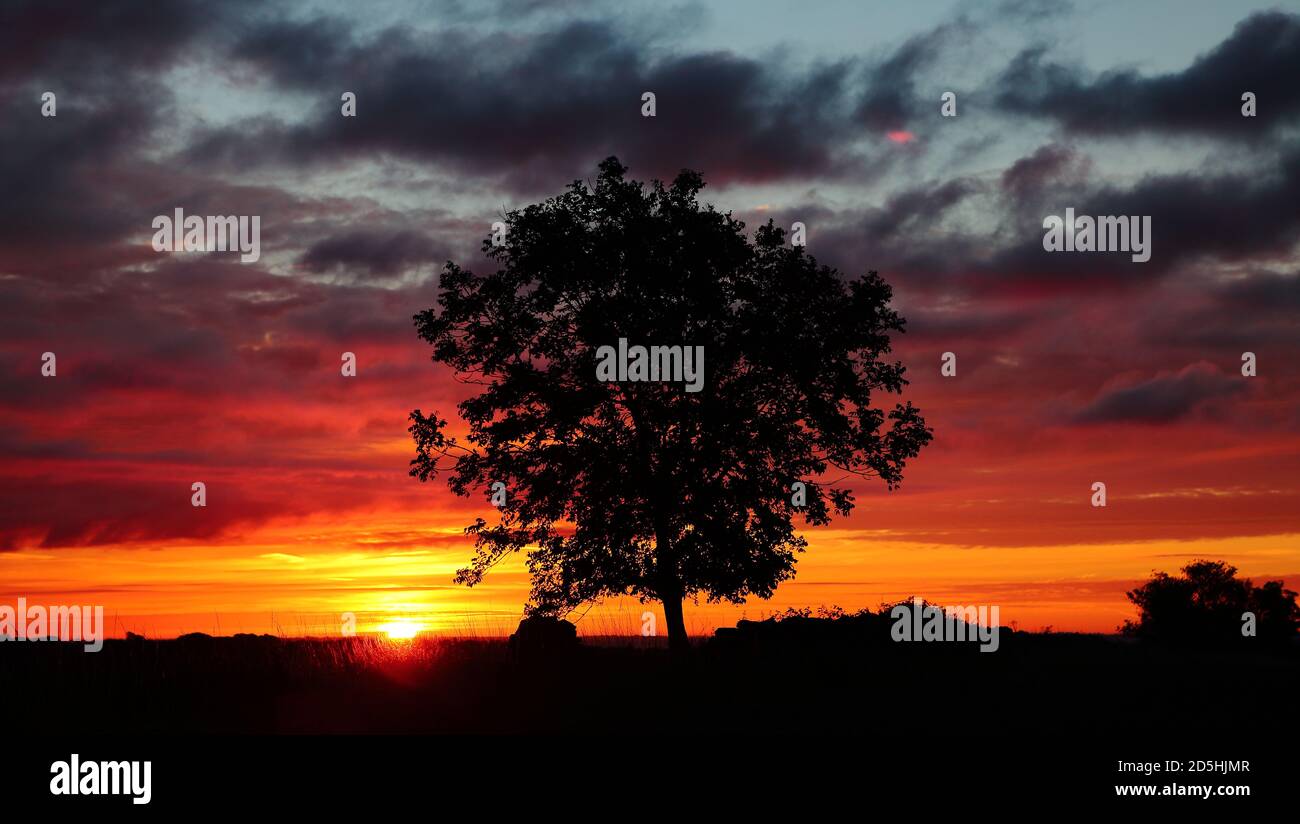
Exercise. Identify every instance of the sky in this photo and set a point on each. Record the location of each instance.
(1072, 368)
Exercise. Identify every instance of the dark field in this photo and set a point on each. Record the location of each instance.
(1045, 685)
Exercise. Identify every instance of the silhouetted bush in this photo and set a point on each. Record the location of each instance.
(825, 629)
(1208, 605)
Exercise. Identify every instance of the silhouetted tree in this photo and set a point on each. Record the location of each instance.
(644, 488)
(1205, 606)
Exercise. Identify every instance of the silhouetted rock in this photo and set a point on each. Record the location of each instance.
(539, 635)
(195, 638)
(133, 637)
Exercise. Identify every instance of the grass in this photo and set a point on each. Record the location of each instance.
(1058, 683)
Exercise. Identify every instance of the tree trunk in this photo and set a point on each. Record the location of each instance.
(669, 585)
(669, 588)
(674, 616)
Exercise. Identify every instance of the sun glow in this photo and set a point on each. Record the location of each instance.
(401, 630)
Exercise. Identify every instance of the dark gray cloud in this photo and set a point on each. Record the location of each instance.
(538, 110)
(1262, 55)
(1164, 398)
(1255, 311)
(49, 164)
(1225, 216)
(96, 45)
(890, 100)
(1195, 219)
(374, 252)
(1269, 292)
(1048, 165)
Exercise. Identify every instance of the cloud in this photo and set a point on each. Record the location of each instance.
(376, 252)
(176, 366)
(1272, 293)
(1165, 398)
(522, 109)
(1048, 165)
(97, 46)
(889, 101)
(1262, 55)
(1196, 219)
(1033, 10)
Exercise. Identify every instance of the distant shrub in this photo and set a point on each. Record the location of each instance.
(1205, 606)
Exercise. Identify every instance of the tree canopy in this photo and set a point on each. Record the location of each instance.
(1207, 603)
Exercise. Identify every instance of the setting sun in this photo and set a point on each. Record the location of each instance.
(401, 630)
